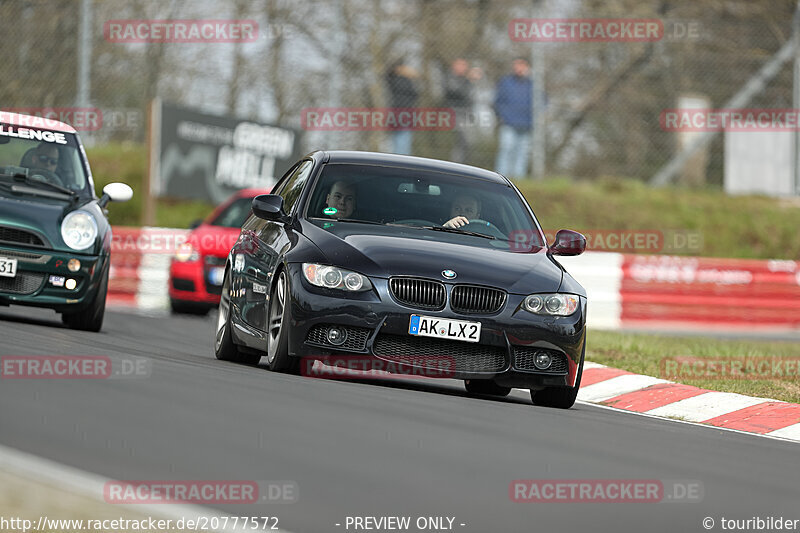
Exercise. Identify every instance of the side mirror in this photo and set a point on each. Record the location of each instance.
(568, 242)
(115, 192)
(268, 207)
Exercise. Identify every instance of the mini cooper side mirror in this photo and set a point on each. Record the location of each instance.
(568, 242)
(115, 192)
(268, 207)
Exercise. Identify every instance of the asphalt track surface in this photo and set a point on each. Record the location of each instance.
(366, 449)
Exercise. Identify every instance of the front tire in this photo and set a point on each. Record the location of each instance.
(224, 347)
(559, 397)
(278, 358)
(91, 318)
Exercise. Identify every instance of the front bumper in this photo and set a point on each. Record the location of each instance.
(32, 286)
(189, 281)
(379, 325)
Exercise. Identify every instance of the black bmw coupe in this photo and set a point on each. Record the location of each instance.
(407, 261)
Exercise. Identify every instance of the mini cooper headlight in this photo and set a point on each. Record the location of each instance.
(79, 230)
(332, 277)
(551, 304)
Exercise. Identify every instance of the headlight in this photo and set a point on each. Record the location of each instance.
(551, 304)
(186, 252)
(79, 230)
(332, 277)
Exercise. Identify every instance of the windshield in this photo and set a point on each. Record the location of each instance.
(458, 207)
(52, 157)
(234, 215)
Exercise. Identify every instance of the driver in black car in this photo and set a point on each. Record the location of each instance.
(464, 208)
(342, 198)
(44, 157)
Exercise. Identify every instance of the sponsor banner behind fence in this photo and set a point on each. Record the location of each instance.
(208, 157)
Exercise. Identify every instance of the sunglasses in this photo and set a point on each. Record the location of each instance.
(47, 160)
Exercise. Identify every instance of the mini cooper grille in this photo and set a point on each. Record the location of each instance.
(356, 339)
(19, 236)
(22, 283)
(472, 299)
(420, 293)
(465, 356)
(25, 256)
(523, 360)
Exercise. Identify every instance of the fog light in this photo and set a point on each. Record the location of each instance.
(70, 284)
(336, 336)
(74, 265)
(542, 360)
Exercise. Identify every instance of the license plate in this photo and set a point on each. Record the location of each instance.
(445, 328)
(216, 275)
(8, 267)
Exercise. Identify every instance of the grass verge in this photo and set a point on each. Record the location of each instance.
(646, 353)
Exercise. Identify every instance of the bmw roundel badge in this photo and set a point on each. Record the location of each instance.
(449, 274)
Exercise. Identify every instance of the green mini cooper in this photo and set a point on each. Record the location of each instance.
(55, 239)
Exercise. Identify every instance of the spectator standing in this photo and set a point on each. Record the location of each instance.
(403, 93)
(458, 96)
(513, 106)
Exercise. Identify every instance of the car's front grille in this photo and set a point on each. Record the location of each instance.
(421, 293)
(472, 299)
(183, 284)
(18, 236)
(524, 356)
(355, 340)
(22, 283)
(426, 352)
(212, 262)
(25, 256)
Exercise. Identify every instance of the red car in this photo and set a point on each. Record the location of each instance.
(198, 267)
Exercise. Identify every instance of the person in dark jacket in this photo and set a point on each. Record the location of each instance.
(513, 106)
(458, 97)
(403, 93)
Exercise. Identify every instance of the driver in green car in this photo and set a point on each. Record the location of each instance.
(44, 156)
(463, 208)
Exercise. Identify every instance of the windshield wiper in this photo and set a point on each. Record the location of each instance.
(356, 221)
(27, 179)
(460, 231)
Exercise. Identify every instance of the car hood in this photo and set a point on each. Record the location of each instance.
(380, 251)
(42, 217)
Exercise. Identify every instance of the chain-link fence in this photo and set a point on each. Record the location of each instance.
(601, 100)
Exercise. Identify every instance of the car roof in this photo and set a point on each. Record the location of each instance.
(413, 162)
(250, 192)
(32, 121)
